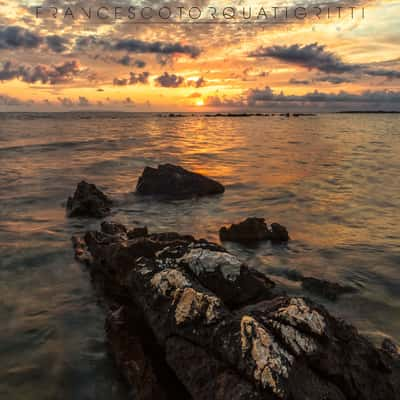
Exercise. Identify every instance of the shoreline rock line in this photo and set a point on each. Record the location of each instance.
(167, 181)
(221, 330)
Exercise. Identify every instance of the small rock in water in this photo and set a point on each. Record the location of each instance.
(88, 201)
(253, 230)
(279, 233)
(175, 182)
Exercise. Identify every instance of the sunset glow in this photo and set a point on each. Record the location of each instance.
(62, 63)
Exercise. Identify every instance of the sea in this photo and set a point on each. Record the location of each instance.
(332, 179)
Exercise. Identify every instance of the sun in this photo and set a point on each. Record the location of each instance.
(199, 102)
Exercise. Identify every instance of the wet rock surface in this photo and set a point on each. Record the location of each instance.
(175, 182)
(253, 230)
(212, 343)
(88, 201)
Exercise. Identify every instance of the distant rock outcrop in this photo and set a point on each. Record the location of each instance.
(88, 201)
(214, 342)
(253, 230)
(175, 182)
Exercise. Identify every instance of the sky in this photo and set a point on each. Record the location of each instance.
(199, 55)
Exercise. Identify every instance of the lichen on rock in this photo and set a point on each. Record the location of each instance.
(297, 313)
(193, 305)
(272, 362)
(202, 261)
(168, 281)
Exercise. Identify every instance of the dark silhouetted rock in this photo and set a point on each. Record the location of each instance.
(137, 232)
(175, 182)
(278, 233)
(129, 354)
(113, 228)
(323, 288)
(88, 201)
(220, 344)
(390, 347)
(253, 230)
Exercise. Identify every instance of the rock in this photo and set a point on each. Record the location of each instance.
(113, 228)
(214, 346)
(88, 201)
(172, 181)
(253, 230)
(194, 366)
(391, 347)
(278, 233)
(138, 232)
(227, 276)
(82, 253)
(130, 356)
(321, 287)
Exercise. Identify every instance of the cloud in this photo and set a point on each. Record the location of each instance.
(66, 101)
(6, 100)
(165, 48)
(194, 95)
(313, 56)
(83, 101)
(134, 79)
(52, 74)
(128, 101)
(200, 82)
(295, 81)
(217, 101)
(335, 80)
(14, 37)
(57, 43)
(266, 95)
(170, 80)
(139, 63)
(268, 99)
(129, 61)
(387, 73)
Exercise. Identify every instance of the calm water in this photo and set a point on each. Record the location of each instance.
(333, 180)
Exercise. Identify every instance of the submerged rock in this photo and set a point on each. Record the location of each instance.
(88, 201)
(222, 344)
(172, 181)
(320, 287)
(253, 230)
(327, 289)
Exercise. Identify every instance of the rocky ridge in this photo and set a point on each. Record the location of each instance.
(220, 329)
